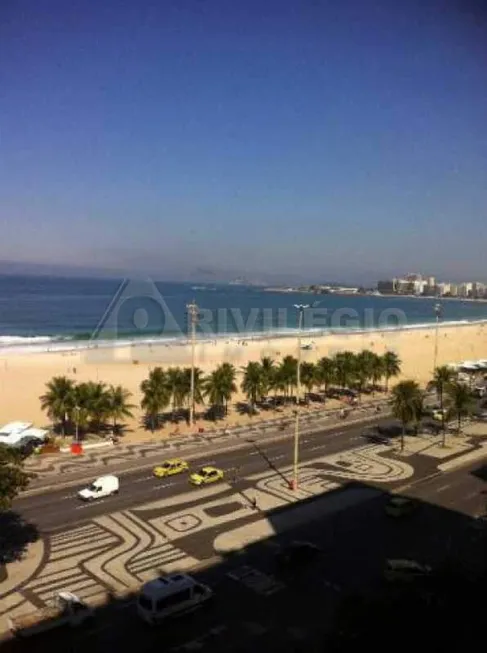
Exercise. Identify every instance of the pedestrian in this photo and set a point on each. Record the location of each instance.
(254, 503)
(235, 474)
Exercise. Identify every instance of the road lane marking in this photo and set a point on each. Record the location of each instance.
(443, 488)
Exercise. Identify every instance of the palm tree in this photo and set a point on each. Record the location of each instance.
(198, 386)
(83, 409)
(93, 397)
(308, 375)
(406, 404)
(365, 363)
(268, 370)
(228, 374)
(287, 375)
(392, 366)
(176, 381)
(155, 395)
(58, 400)
(377, 369)
(460, 401)
(345, 365)
(220, 386)
(443, 376)
(326, 372)
(253, 383)
(118, 404)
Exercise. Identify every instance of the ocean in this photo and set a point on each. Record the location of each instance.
(67, 312)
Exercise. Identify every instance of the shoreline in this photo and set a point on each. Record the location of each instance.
(66, 344)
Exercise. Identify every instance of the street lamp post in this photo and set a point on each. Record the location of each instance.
(76, 411)
(438, 309)
(193, 317)
(295, 482)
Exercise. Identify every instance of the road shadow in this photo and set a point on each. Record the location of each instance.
(335, 603)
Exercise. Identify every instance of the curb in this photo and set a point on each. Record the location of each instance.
(193, 455)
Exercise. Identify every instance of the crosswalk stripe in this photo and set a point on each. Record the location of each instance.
(83, 548)
(67, 587)
(151, 552)
(75, 532)
(93, 539)
(157, 562)
(51, 579)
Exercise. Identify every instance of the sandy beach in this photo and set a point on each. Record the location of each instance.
(23, 375)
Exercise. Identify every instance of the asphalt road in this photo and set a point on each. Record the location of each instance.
(355, 544)
(61, 508)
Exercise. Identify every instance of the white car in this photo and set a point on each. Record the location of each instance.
(105, 486)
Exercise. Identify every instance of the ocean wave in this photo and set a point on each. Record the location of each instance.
(82, 341)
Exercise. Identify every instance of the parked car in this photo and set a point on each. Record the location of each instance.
(67, 610)
(401, 507)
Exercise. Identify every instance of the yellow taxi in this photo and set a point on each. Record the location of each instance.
(206, 475)
(170, 467)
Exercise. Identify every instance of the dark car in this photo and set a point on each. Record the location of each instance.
(27, 446)
(297, 555)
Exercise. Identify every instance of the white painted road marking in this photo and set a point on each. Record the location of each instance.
(443, 488)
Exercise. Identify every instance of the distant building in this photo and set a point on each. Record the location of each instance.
(387, 287)
(478, 290)
(465, 289)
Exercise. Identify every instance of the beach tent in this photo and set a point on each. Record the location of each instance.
(40, 434)
(14, 427)
(470, 366)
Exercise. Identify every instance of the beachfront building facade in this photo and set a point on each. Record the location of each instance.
(415, 284)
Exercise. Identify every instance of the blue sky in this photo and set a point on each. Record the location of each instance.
(306, 138)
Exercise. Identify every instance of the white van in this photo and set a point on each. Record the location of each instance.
(104, 486)
(171, 596)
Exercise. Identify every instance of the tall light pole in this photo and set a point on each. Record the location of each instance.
(294, 483)
(438, 309)
(76, 410)
(193, 318)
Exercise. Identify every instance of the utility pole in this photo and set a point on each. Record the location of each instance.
(295, 482)
(438, 309)
(193, 318)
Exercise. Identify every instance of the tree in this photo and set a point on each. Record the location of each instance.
(228, 375)
(253, 382)
(13, 478)
(326, 372)
(287, 374)
(365, 363)
(442, 377)
(198, 386)
(308, 375)
(92, 402)
(377, 369)
(345, 365)
(391, 366)
(118, 404)
(155, 395)
(176, 381)
(59, 400)
(268, 370)
(406, 404)
(460, 401)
